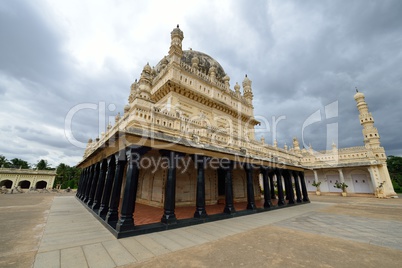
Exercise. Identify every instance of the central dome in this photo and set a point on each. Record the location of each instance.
(204, 62)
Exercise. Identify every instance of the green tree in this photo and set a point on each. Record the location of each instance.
(43, 165)
(67, 176)
(19, 163)
(4, 162)
(394, 164)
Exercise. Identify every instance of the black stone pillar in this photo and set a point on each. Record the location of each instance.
(84, 172)
(267, 190)
(281, 200)
(297, 186)
(83, 183)
(271, 183)
(169, 216)
(286, 182)
(250, 187)
(88, 184)
(303, 186)
(80, 184)
(227, 166)
(112, 214)
(77, 194)
(101, 184)
(94, 184)
(107, 189)
(200, 162)
(289, 191)
(126, 220)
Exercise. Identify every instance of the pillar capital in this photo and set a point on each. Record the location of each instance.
(226, 164)
(199, 159)
(132, 151)
(120, 157)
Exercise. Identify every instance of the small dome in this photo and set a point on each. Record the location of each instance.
(246, 81)
(237, 87)
(164, 60)
(358, 95)
(147, 68)
(177, 31)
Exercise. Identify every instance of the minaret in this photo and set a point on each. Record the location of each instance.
(370, 133)
(175, 51)
(247, 92)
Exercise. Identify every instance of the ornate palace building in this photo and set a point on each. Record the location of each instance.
(186, 139)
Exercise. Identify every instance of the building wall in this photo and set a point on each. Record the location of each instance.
(26, 178)
(151, 185)
(358, 180)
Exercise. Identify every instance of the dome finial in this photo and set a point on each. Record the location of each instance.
(177, 26)
(356, 90)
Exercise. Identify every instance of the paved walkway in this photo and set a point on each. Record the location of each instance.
(74, 238)
(329, 232)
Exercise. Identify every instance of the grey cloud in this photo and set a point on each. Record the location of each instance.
(339, 45)
(28, 46)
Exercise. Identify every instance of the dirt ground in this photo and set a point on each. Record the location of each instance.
(275, 246)
(22, 222)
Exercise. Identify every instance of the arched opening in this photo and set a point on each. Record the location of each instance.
(6, 183)
(41, 185)
(24, 184)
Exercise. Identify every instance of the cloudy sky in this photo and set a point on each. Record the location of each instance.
(76, 59)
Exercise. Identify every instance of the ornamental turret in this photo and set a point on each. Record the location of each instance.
(247, 91)
(370, 133)
(144, 88)
(133, 91)
(296, 145)
(194, 63)
(212, 73)
(176, 51)
(226, 81)
(237, 90)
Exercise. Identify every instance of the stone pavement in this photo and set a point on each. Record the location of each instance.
(330, 232)
(74, 238)
(362, 229)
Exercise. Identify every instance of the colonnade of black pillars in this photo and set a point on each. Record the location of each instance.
(101, 183)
